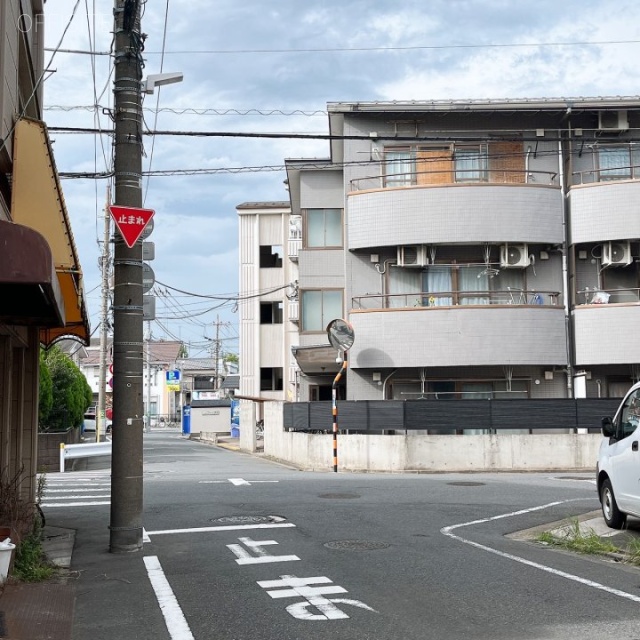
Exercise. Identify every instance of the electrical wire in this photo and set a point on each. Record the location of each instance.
(434, 47)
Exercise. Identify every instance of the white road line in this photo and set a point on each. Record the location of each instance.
(48, 491)
(174, 618)
(75, 497)
(231, 527)
(238, 481)
(590, 583)
(73, 504)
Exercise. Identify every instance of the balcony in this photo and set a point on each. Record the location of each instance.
(480, 328)
(493, 210)
(604, 323)
(606, 210)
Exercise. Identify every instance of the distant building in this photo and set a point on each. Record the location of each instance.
(268, 302)
(159, 357)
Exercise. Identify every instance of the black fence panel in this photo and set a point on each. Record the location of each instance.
(299, 415)
(547, 413)
(320, 417)
(449, 416)
(386, 415)
(592, 410)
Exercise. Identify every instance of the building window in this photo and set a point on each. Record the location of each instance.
(618, 161)
(399, 167)
(470, 164)
(319, 308)
(500, 162)
(271, 379)
(271, 256)
(271, 313)
(204, 383)
(324, 228)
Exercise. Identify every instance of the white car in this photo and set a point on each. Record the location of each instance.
(89, 423)
(618, 470)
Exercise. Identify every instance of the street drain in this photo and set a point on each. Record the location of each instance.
(356, 545)
(248, 519)
(339, 496)
(466, 484)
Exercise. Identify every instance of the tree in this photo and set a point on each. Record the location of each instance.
(70, 390)
(45, 401)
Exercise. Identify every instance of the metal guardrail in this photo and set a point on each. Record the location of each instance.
(86, 450)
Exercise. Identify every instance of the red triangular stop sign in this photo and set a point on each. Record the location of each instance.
(131, 222)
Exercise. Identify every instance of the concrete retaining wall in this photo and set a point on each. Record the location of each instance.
(428, 453)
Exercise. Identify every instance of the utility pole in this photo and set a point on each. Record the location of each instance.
(104, 335)
(128, 405)
(147, 423)
(216, 355)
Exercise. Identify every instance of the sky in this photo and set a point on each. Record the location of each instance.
(258, 67)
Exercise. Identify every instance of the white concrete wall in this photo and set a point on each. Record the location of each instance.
(377, 453)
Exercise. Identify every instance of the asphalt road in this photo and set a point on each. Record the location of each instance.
(240, 548)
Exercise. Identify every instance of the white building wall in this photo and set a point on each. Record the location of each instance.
(265, 345)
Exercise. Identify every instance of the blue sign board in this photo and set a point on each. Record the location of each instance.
(173, 376)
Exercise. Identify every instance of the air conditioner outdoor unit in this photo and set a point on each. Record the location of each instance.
(613, 120)
(514, 256)
(616, 254)
(412, 256)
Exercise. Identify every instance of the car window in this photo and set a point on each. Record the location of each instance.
(629, 415)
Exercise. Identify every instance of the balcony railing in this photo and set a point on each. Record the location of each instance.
(610, 174)
(441, 178)
(294, 248)
(608, 296)
(510, 296)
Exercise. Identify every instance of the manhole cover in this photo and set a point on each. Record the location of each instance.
(339, 496)
(466, 484)
(248, 519)
(356, 545)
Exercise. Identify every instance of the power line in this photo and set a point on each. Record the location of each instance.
(201, 112)
(434, 47)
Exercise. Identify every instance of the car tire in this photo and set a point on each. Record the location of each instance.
(614, 518)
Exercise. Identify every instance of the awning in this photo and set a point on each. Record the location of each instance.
(37, 202)
(29, 289)
(316, 359)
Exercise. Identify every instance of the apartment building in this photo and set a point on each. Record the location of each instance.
(41, 291)
(270, 239)
(479, 248)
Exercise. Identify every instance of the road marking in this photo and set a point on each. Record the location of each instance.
(48, 491)
(231, 527)
(73, 504)
(261, 554)
(75, 497)
(174, 618)
(314, 596)
(238, 482)
(569, 576)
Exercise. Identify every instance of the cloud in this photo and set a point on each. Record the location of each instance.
(290, 56)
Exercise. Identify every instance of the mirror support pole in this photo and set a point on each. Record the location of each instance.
(334, 408)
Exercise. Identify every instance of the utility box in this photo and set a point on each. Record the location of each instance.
(211, 416)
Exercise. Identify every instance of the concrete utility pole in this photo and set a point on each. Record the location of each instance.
(147, 423)
(128, 404)
(104, 334)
